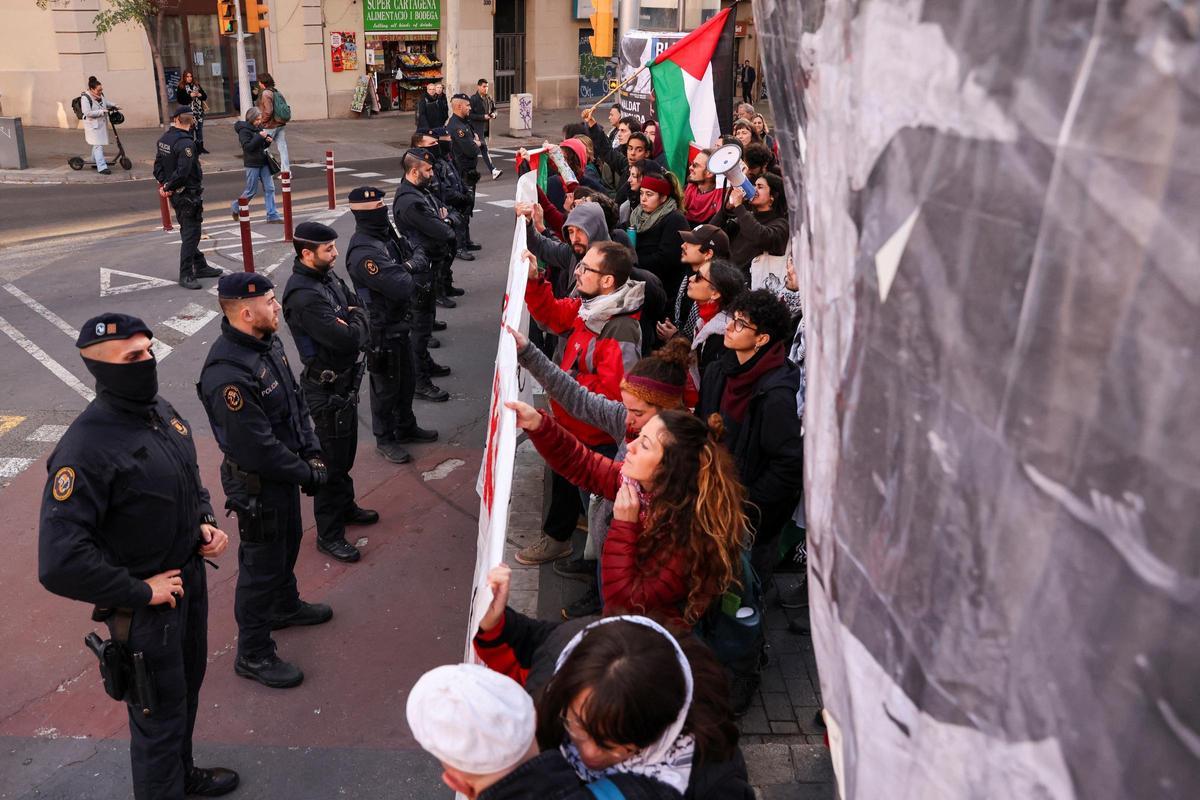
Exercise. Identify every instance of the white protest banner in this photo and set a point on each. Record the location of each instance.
(496, 471)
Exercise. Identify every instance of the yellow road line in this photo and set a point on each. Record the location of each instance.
(7, 423)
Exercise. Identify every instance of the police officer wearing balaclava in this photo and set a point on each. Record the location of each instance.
(381, 264)
(330, 329)
(126, 524)
(262, 423)
(419, 217)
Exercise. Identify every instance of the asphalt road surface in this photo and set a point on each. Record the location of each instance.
(71, 252)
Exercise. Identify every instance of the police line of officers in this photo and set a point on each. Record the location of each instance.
(126, 523)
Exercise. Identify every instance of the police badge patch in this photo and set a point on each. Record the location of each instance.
(179, 427)
(461, 133)
(371, 267)
(233, 398)
(64, 484)
(187, 151)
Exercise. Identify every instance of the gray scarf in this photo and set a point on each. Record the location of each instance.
(641, 221)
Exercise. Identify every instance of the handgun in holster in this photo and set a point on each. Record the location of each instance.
(256, 523)
(122, 670)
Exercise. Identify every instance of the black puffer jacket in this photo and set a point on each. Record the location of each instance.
(254, 147)
(658, 250)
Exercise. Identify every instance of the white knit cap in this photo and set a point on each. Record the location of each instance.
(472, 718)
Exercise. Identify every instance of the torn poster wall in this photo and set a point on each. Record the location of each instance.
(1001, 263)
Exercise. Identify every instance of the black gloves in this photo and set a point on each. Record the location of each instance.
(418, 261)
(319, 476)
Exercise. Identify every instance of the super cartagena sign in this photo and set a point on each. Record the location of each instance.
(382, 16)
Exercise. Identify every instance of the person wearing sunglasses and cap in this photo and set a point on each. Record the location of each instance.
(126, 525)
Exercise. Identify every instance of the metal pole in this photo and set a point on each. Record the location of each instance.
(243, 72)
(165, 209)
(244, 220)
(286, 178)
(627, 20)
(329, 179)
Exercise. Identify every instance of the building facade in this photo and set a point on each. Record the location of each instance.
(318, 52)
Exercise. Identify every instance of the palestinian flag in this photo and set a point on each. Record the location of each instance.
(540, 163)
(693, 89)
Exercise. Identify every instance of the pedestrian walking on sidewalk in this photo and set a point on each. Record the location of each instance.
(259, 163)
(262, 424)
(276, 113)
(191, 94)
(126, 525)
(95, 122)
(329, 326)
(483, 111)
(177, 170)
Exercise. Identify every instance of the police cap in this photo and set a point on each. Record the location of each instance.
(316, 232)
(108, 327)
(241, 285)
(180, 111)
(461, 96)
(366, 194)
(419, 153)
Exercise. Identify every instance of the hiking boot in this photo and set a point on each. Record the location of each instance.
(418, 435)
(472, 245)
(189, 282)
(438, 325)
(588, 605)
(433, 343)
(270, 671)
(305, 614)
(393, 452)
(339, 549)
(212, 782)
(445, 302)
(208, 271)
(427, 390)
(361, 516)
(454, 291)
(463, 255)
(578, 569)
(542, 551)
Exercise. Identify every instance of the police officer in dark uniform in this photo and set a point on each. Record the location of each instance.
(125, 525)
(420, 218)
(261, 422)
(177, 170)
(330, 328)
(381, 264)
(454, 194)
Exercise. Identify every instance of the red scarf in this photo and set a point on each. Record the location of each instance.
(707, 310)
(739, 384)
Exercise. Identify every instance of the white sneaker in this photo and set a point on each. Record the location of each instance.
(496, 173)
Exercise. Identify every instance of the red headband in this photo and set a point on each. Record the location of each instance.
(657, 183)
(656, 393)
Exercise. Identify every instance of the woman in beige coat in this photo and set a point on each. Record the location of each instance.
(95, 122)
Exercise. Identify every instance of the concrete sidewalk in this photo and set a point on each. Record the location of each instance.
(380, 136)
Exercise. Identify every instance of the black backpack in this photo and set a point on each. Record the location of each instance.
(77, 106)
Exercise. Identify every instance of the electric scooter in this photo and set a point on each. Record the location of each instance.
(115, 118)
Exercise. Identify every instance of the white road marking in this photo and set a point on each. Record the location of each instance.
(47, 433)
(46, 313)
(143, 282)
(393, 180)
(310, 165)
(367, 174)
(442, 470)
(160, 349)
(44, 358)
(192, 318)
(480, 194)
(502, 203)
(11, 467)
(342, 169)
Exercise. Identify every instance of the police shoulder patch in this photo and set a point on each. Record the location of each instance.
(64, 484)
(179, 427)
(233, 397)
(371, 267)
(461, 132)
(187, 151)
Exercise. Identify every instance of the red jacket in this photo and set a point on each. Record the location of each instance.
(629, 584)
(598, 362)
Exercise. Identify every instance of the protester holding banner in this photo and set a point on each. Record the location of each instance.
(603, 334)
(678, 525)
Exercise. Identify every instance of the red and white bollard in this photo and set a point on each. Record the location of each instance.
(244, 223)
(329, 179)
(164, 208)
(286, 179)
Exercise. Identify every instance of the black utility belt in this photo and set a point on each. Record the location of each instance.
(329, 379)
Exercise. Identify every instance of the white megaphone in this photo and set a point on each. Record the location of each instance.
(727, 161)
